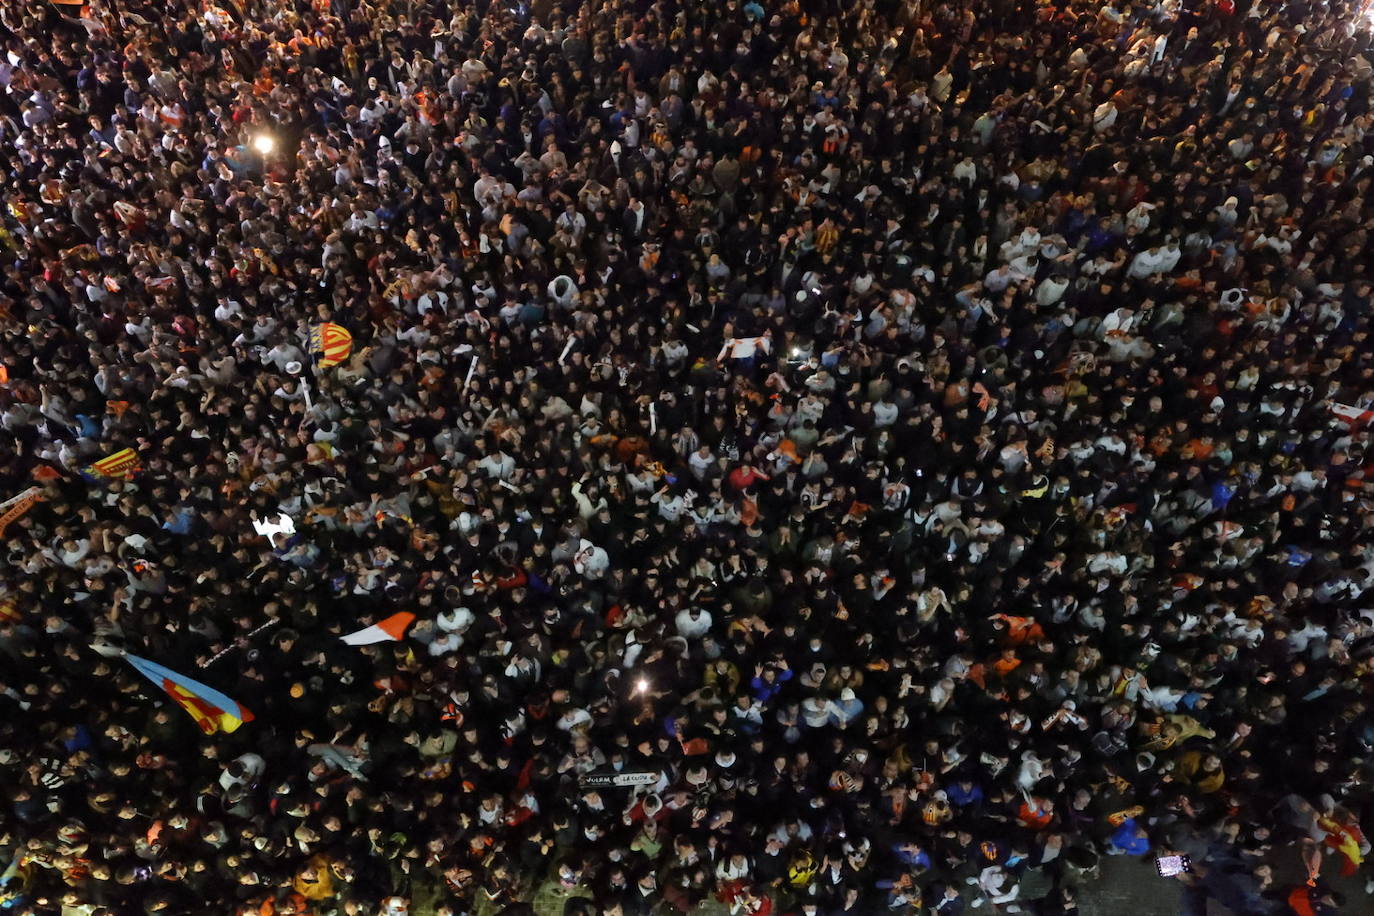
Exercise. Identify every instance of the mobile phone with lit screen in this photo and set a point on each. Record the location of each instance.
(1169, 866)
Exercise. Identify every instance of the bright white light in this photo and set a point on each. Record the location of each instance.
(641, 686)
(264, 143)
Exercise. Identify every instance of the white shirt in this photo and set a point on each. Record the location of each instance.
(1305, 481)
(572, 719)
(1051, 290)
(1300, 639)
(282, 354)
(1168, 259)
(591, 561)
(1104, 116)
(253, 765)
(498, 467)
(1139, 216)
(226, 310)
(691, 627)
(456, 620)
(698, 464)
(445, 643)
(670, 507)
(745, 347)
(1116, 321)
(999, 279)
(1145, 264)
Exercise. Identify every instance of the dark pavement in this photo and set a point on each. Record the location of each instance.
(1130, 887)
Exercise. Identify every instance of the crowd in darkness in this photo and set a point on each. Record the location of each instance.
(927, 436)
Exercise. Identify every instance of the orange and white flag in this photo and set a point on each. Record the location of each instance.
(392, 629)
(16, 506)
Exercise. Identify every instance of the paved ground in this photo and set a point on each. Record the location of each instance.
(1130, 887)
(1127, 888)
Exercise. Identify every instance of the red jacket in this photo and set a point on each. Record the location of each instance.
(745, 476)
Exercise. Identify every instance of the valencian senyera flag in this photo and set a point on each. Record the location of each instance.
(331, 342)
(213, 711)
(123, 463)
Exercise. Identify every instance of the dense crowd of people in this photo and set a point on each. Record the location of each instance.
(919, 447)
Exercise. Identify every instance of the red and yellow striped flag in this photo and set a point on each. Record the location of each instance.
(332, 342)
(123, 463)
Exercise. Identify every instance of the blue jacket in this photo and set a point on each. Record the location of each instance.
(764, 691)
(1126, 840)
(959, 798)
(909, 859)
